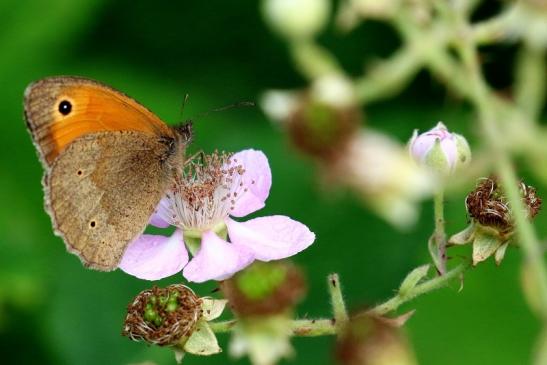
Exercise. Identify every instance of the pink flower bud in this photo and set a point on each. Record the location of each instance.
(440, 150)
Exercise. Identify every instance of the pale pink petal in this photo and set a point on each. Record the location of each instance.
(154, 257)
(448, 145)
(216, 260)
(271, 238)
(253, 187)
(158, 217)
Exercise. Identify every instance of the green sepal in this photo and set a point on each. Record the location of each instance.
(202, 341)
(485, 245)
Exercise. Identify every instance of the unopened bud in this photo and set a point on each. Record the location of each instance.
(441, 151)
(296, 18)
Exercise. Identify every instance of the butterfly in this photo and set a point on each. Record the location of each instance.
(107, 162)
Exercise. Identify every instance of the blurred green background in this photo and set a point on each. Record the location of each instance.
(53, 311)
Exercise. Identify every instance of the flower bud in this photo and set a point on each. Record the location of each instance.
(163, 316)
(368, 340)
(296, 18)
(438, 149)
(264, 288)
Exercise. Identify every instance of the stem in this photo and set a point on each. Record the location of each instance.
(337, 301)
(524, 228)
(440, 235)
(525, 231)
(531, 79)
(299, 327)
(438, 282)
(390, 76)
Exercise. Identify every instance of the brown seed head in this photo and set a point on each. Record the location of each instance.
(488, 205)
(162, 316)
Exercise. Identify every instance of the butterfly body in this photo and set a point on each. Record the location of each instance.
(107, 159)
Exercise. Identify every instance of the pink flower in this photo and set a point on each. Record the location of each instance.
(200, 203)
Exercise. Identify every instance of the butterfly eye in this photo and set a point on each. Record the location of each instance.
(65, 107)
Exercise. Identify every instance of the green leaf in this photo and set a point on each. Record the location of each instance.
(202, 341)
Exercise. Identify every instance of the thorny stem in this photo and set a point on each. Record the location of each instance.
(440, 235)
(427, 286)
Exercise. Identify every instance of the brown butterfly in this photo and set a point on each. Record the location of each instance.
(108, 160)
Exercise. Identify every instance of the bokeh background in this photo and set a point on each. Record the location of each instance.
(53, 311)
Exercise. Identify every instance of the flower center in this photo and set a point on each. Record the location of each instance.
(204, 192)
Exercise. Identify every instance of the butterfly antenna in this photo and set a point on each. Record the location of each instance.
(241, 104)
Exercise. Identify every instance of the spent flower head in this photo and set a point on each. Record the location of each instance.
(176, 317)
(203, 198)
(492, 222)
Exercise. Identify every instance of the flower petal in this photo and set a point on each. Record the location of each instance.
(162, 209)
(216, 259)
(154, 257)
(271, 238)
(253, 187)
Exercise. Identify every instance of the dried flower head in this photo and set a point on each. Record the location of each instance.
(488, 205)
(163, 316)
(265, 289)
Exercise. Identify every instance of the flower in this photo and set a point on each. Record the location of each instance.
(204, 196)
(440, 150)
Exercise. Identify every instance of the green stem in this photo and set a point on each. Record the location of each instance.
(530, 80)
(440, 235)
(299, 327)
(337, 300)
(438, 282)
(524, 228)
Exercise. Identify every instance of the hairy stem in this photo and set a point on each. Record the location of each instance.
(440, 235)
(337, 300)
(430, 285)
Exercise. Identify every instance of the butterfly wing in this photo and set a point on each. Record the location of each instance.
(102, 190)
(60, 109)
